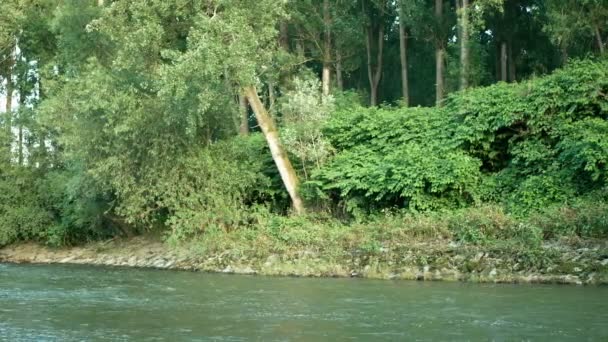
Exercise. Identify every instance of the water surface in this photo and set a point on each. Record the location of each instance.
(72, 303)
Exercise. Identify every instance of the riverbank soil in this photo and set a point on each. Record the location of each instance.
(566, 262)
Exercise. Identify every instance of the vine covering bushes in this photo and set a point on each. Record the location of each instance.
(525, 146)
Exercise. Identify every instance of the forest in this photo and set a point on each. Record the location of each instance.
(326, 123)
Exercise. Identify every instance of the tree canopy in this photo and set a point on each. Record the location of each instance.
(121, 115)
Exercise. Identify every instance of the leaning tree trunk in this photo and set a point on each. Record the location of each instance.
(403, 54)
(269, 129)
(439, 57)
(598, 37)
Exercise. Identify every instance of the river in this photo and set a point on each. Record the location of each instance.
(75, 303)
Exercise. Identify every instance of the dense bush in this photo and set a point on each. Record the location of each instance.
(517, 162)
(525, 145)
(22, 215)
(397, 158)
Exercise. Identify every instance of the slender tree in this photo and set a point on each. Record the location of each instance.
(465, 61)
(374, 71)
(326, 77)
(403, 37)
(439, 54)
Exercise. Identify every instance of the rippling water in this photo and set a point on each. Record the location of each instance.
(61, 303)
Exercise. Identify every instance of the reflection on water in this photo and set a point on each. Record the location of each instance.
(61, 303)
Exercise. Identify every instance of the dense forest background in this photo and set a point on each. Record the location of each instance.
(208, 117)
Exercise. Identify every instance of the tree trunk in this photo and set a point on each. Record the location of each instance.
(464, 45)
(598, 37)
(284, 35)
(374, 75)
(403, 54)
(339, 77)
(512, 65)
(326, 77)
(8, 120)
(269, 129)
(20, 141)
(439, 57)
(271, 97)
(503, 62)
(244, 111)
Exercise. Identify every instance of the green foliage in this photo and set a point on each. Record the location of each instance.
(22, 215)
(390, 158)
(128, 117)
(305, 111)
(487, 224)
(214, 188)
(526, 145)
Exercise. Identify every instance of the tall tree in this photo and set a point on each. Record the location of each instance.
(374, 42)
(403, 37)
(326, 77)
(439, 53)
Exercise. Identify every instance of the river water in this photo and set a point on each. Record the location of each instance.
(72, 303)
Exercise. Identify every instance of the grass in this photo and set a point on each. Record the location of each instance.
(489, 227)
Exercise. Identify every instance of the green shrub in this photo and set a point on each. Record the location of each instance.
(22, 216)
(214, 188)
(397, 158)
(527, 146)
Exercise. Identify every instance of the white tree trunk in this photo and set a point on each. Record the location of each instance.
(326, 77)
(269, 129)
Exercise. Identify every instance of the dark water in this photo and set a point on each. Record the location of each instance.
(56, 303)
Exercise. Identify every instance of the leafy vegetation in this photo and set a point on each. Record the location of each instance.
(211, 120)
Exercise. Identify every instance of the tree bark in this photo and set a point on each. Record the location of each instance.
(8, 119)
(339, 77)
(512, 65)
(598, 37)
(271, 97)
(439, 56)
(326, 77)
(20, 159)
(269, 129)
(374, 75)
(464, 44)
(403, 54)
(503, 62)
(243, 110)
